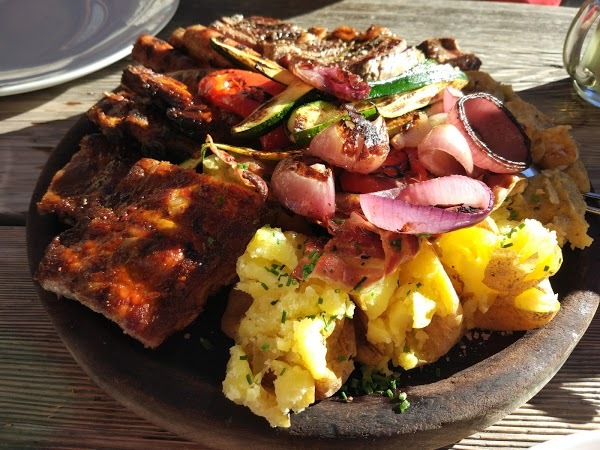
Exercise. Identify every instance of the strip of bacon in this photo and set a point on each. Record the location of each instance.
(360, 254)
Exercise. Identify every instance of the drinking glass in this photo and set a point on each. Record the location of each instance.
(581, 52)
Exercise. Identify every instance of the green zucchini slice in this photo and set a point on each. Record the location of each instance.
(309, 119)
(249, 59)
(424, 74)
(270, 113)
(400, 104)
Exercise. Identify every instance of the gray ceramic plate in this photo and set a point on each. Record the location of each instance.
(79, 37)
(178, 386)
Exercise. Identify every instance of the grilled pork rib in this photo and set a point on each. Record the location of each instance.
(166, 240)
(91, 175)
(160, 56)
(161, 115)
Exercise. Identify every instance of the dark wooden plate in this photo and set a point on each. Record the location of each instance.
(178, 386)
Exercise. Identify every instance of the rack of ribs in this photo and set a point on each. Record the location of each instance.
(150, 254)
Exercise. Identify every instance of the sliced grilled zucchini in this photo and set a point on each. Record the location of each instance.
(424, 74)
(270, 113)
(251, 60)
(400, 104)
(309, 119)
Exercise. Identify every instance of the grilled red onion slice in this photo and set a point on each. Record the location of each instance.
(305, 186)
(354, 144)
(451, 96)
(445, 151)
(433, 206)
(333, 80)
(497, 140)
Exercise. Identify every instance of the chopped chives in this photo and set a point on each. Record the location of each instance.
(272, 270)
(397, 244)
(357, 285)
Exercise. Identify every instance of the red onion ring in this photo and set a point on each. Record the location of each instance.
(433, 206)
(496, 139)
(332, 79)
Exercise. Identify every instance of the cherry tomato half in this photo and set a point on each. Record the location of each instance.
(238, 91)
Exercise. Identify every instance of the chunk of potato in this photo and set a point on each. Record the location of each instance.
(487, 266)
(294, 338)
(527, 254)
(526, 311)
(423, 318)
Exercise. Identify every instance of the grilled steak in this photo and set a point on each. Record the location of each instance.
(256, 31)
(166, 240)
(374, 55)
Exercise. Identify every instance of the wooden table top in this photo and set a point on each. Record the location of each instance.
(46, 400)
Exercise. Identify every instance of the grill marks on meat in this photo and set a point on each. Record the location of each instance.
(167, 239)
(160, 56)
(375, 54)
(92, 174)
(256, 31)
(161, 115)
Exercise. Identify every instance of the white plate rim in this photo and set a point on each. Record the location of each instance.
(115, 50)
